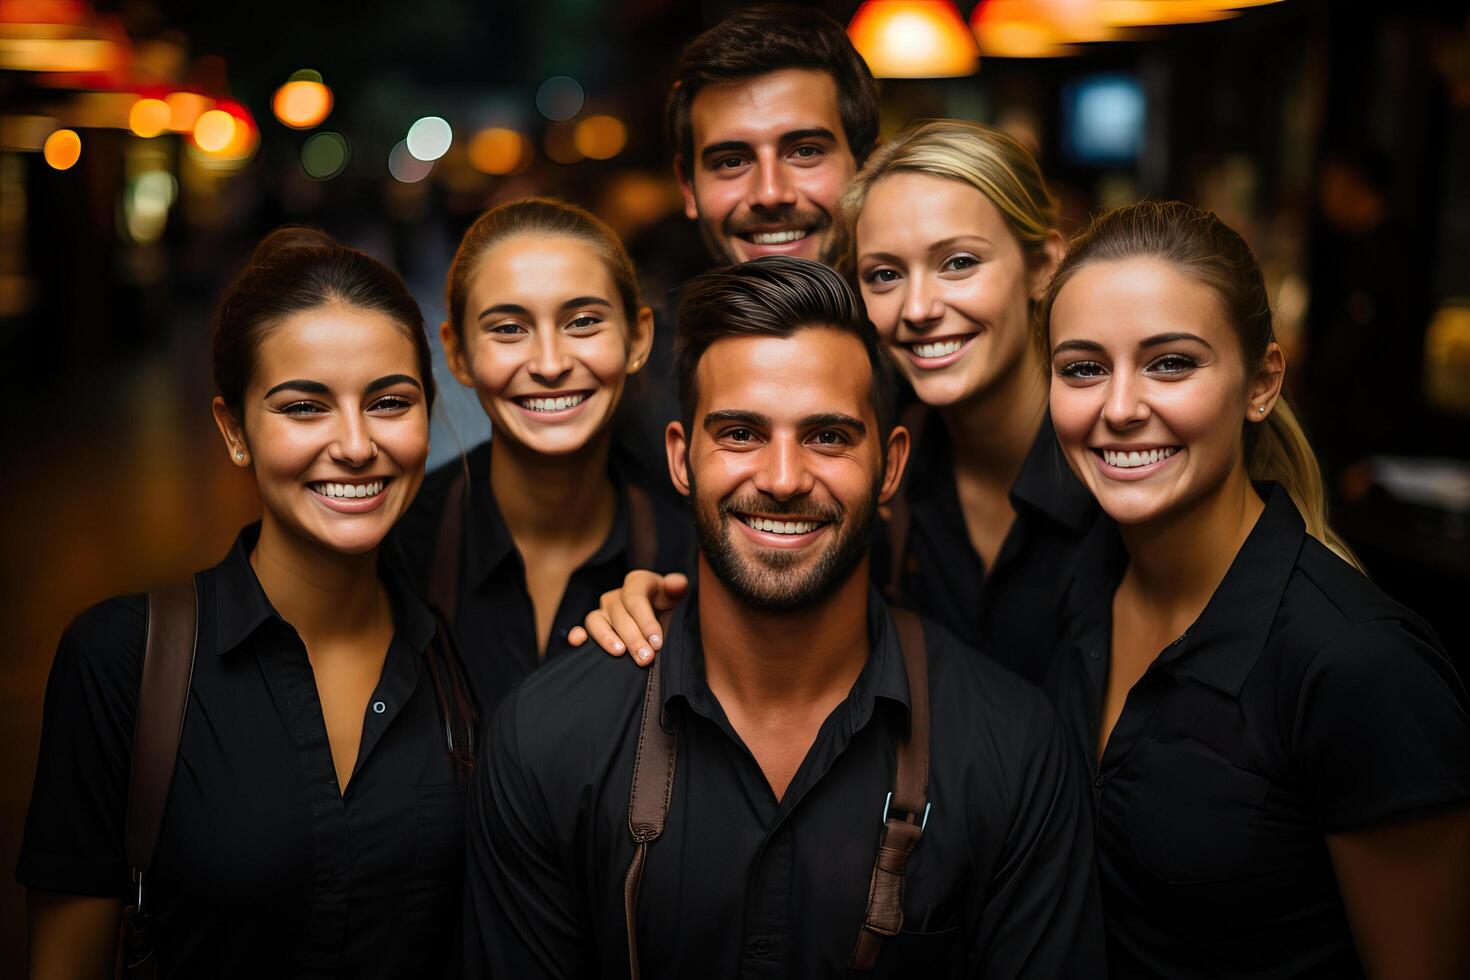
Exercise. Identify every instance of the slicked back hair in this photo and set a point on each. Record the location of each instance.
(774, 296)
(769, 37)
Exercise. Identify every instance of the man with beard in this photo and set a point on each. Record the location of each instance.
(781, 734)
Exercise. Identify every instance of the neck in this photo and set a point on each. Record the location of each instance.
(544, 498)
(991, 433)
(1179, 560)
(319, 591)
(779, 661)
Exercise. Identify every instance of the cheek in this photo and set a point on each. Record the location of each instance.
(606, 357)
(823, 186)
(1201, 414)
(883, 309)
(494, 365)
(283, 449)
(718, 198)
(1073, 413)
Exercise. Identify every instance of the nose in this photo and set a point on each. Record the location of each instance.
(922, 309)
(550, 359)
(354, 445)
(783, 473)
(771, 187)
(1125, 405)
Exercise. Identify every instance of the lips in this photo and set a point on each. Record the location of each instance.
(932, 353)
(782, 532)
(555, 406)
(1133, 463)
(355, 496)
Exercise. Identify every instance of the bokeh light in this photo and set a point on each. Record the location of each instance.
(302, 103)
(498, 151)
(215, 130)
(559, 98)
(149, 117)
(561, 144)
(600, 137)
(185, 108)
(325, 155)
(145, 208)
(63, 149)
(913, 39)
(407, 168)
(429, 138)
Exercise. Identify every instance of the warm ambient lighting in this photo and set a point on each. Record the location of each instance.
(600, 137)
(913, 39)
(214, 131)
(149, 117)
(302, 103)
(63, 149)
(498, 151)
(1049, 28)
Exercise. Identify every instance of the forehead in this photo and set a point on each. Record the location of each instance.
(341, 346)
(1119, 303)
(762, 108)
(816, 370)
(531, 270)
(910, 211)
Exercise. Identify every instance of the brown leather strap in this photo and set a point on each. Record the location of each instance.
(914, 418)
(642, 530)
(907, 810)
(444, 572)
(163, 697)
(648, 802)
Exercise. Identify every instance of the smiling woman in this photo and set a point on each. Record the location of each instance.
(323, 750)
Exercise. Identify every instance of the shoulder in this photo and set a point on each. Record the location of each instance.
(976, 696)
(104, 645)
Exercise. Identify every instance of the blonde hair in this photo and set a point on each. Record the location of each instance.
(1199, 244)
(987, 159)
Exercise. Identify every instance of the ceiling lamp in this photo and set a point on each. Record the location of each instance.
(1050, 28)
(913, 39)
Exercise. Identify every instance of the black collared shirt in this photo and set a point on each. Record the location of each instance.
(263, 867)
(1302, 702)
(743, 885)
(495, 622)
(1011, 612)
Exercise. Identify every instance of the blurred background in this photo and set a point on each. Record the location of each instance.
(146, 145)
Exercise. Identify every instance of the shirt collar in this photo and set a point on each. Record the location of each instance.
(241, 605)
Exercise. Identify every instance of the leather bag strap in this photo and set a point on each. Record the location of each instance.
(163, 697)
(444, 572)
(902, 830)
(648, 801)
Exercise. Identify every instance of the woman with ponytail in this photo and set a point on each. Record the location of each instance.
(313, 822)
(1282, 751)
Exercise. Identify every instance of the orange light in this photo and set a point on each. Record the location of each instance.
(600, 137)
(63, 149)
(497, 151)
(561, 145)
(1161, 13)
(215, 130)
(913, 39)
(302, 104)
(185, 108)
(149, 117)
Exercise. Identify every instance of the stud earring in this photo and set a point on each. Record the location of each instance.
(239, 455)
(1262, 409)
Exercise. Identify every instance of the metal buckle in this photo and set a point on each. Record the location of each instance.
(138, 880)
(923, 821)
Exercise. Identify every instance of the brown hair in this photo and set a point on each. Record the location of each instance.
(1199, 244)
(297, 269)
(771, 37)
(538, 216)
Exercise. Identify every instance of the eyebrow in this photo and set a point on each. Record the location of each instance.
(317, 388)
(1093, 347)
(757, 420)
(519, 310)
(938, 246)
(795, 136)
(389, 380)
(736, 415)
(829, 419)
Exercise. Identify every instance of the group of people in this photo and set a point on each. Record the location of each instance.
(1051, 669)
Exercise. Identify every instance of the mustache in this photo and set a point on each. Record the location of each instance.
(787, 215)
(802, 510)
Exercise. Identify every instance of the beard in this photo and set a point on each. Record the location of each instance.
(718, 240)
(773, 579)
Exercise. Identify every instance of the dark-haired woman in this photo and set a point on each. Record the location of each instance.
(1283, 752)
(516, 542)
(314, 822)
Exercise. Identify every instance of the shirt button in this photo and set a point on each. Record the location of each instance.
(761, 947)
(379, 707)
(1092, 654)
(1097, 783)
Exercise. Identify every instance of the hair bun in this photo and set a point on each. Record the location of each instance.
(291, 239)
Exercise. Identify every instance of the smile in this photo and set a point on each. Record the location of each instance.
(558, 403)
(937, 353)
(773, 526)
(344, 491)
(776, 237)
(1134, 459)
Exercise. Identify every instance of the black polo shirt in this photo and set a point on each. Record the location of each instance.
(1011, 612)
(263, 867)
(495, 622)
(743, 885)
(1301, 703)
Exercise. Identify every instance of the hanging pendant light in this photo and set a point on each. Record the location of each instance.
(914, 39)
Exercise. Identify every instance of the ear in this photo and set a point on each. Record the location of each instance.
(641, 341)
(1266, 385)
(1053, 250)
(676, 447)
(233, 432)
(454, 354)
(686, 187)
(898, 460)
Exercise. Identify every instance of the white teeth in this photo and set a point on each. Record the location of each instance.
(939, 348)
(345, 490)
(781, 527)
(777, 237)
(553, 404)
(1128, 460)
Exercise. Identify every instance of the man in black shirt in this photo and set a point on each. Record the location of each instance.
(785, 688)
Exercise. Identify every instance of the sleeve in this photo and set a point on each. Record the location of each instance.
(1042, 918)
(73, 839)
(520, 914)
(1381, 728)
